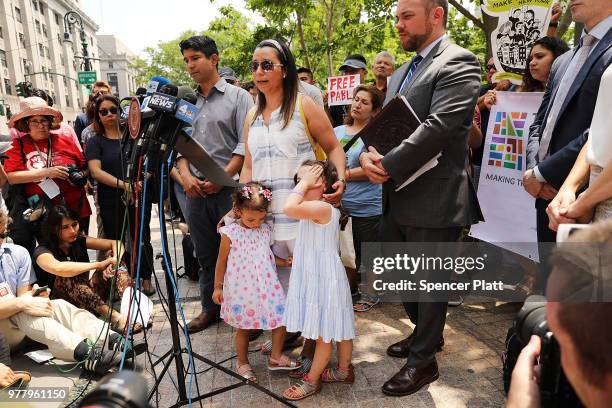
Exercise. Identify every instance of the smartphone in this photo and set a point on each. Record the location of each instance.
(40, 290)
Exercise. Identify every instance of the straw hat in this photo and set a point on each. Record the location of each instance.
(34, 106)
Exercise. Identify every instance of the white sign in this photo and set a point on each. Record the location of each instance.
(340, 89)
(509, 211)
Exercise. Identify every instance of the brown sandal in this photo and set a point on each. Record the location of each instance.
(301, 390)
(335, 375)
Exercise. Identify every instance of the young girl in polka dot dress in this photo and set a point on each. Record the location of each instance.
(246, 284)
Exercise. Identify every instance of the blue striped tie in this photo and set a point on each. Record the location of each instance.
(413, 67)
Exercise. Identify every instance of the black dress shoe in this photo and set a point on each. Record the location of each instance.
(202, 321)
(401, 349)
(411, 379)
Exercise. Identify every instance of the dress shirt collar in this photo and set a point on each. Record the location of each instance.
(425, 52)
(600, 29)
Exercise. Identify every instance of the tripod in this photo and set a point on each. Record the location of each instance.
(176, 351)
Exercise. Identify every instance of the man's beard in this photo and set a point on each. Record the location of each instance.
(417, 40)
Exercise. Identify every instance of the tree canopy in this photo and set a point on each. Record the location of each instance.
(320, 33)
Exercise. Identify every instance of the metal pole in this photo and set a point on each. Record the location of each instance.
(70, 19)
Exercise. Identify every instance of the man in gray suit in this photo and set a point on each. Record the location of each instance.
(441, 83)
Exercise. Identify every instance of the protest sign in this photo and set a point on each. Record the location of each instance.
(509, 211)
(340, 89)
(513, 26)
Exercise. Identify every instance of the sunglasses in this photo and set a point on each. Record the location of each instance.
(265, 65)
(490, 66)
(43, 122)
(104, 112)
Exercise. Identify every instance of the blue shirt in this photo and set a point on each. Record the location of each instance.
(361, 198)
(16, 267)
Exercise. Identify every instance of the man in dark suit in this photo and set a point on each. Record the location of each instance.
(441, 83)
(557, 134)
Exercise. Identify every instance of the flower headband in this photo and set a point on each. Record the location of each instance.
(248, 191)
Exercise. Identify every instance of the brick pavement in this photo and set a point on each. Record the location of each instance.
(470, 374)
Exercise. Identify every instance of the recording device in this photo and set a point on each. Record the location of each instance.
(76, 176)
(36, 210)
(125, 389)
(40, 290)
(555, 389)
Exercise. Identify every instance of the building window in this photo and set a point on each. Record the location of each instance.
(3, 59)
(65, 81)
(35, 4)
(110, 65)
(42, 9)
(7, 86)
(44, 30)
(1, 33)
(58, 19)
(67, 100)
(26, 66)
(44, 70)
(37, 24)
(22, 39)
(18, 14)
(112, 80)
(47, 52)
(41, 50)
(62, 59)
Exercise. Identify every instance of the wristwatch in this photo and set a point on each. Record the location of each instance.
(342, 180)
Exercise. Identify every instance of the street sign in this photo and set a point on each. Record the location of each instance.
(87, 77)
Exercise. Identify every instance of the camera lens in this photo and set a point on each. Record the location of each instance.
(531, 319)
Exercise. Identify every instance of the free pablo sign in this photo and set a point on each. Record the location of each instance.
(340, 89)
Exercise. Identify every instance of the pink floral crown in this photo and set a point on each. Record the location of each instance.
(248, 191)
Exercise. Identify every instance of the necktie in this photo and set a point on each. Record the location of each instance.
(416, 60)
(586, 43)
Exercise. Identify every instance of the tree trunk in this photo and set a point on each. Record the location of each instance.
(300, 31)
(477, 22)
(329, 9)
(564, 23)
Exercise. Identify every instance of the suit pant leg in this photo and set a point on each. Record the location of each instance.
(545, 237)
(429, 317)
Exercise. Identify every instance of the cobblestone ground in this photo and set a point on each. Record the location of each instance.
(470, 373)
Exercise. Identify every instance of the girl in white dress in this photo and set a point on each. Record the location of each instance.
(319, 299)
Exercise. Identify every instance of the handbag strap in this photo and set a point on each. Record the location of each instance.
(350, 143)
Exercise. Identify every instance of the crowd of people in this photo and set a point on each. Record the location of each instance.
(267, 251)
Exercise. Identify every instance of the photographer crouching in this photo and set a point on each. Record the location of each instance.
(578, 315)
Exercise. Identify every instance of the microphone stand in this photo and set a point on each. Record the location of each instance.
(175, 354)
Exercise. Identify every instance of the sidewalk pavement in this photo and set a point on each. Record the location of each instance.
(470, 365)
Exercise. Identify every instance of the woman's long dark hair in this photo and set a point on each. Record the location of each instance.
(98, 127)
(52, 227)
(376, 96)
(554, 45)
(290, 81)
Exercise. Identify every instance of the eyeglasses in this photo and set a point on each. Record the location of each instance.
(43, 122)
(490, 66)
(265, 65)
(104, 112)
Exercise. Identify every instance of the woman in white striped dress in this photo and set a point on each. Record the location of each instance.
(277, 141)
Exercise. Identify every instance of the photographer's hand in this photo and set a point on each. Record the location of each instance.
(524, 387)
(58, 172)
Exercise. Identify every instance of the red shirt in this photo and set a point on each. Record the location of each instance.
(64, 152)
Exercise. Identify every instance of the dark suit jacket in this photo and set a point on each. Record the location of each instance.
(442, 93)
(575, 114)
